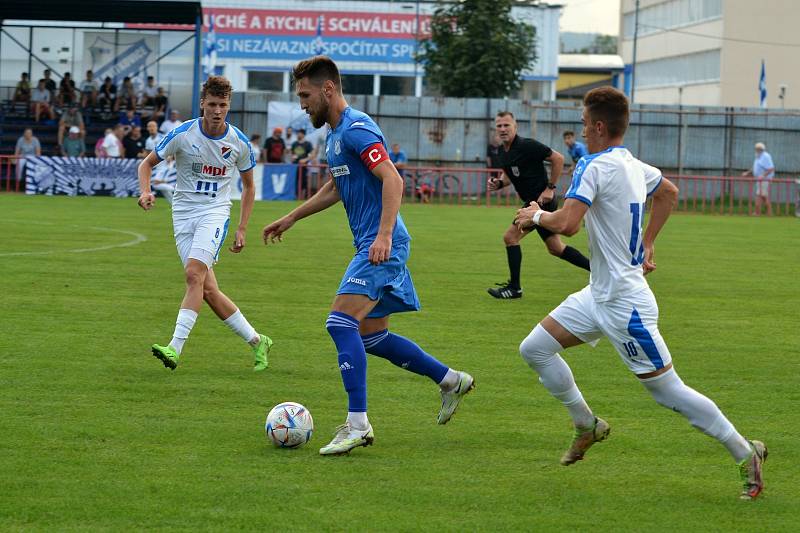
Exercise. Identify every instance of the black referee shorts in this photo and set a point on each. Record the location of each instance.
(550, 206)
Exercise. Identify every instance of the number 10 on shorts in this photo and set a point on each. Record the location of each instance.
(207, 187)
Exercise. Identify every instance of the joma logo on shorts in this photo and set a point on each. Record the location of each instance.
(357, 281)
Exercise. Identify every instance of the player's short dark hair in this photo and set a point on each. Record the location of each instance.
(317, 70)
(216, 86)
(505, 114)
(569, 133)
(610, 106)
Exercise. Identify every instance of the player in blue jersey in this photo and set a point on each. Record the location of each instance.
(208, 153)
(377, 282)
(609, 191)
(576, 149)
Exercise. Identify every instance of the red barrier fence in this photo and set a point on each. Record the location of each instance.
(468, 186)
(11, 179)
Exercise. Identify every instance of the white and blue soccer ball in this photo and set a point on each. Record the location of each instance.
(289, 425)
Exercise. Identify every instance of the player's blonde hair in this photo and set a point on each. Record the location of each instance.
(216, 86)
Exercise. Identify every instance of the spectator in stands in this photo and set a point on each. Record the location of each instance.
(22, 93)
(99, 151)
(134, 144)
(274, 147)
(50, 84)
(73, 145)
(160, 105)
(289, 138)
(41, 102)
(399, 158)
(27, 145)
(255, 146)
(763, 170)
(301, 152)
(149, 93)
(112, 142)
(576, 150)
(66, 90)
(154, 137)
(89, 90)
(126, 95)
(171, 123)
(129, 119)
(72, 117)
(107, 96)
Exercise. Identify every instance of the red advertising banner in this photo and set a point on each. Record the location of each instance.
(305, 23)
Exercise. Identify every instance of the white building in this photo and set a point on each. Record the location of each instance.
(710, 52)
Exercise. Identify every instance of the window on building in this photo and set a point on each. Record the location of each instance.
(671, 14)
(260, 80)
(679, 70)
(398, 85)
(357, 83)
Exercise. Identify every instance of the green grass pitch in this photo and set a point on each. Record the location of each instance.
(95, 434)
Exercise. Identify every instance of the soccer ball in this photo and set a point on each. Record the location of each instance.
(289, 425)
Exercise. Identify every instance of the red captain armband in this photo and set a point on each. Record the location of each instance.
(373, 155)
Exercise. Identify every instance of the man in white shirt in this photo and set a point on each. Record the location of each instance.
(763, 170)
(171, 123)
(112, 143)
(209, 153)
(610, 189)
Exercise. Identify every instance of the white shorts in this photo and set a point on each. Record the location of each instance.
(631, 324)
(762, 188)
(201, 237)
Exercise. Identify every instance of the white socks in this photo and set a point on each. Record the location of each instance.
(183, 326)
(239, 324)
(539, 349)
(671, 392)
(358, 420)
(449, 381)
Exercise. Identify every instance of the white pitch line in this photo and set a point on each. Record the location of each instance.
(138, 238)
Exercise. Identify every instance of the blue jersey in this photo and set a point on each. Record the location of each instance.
(577, 151)
(354, 147)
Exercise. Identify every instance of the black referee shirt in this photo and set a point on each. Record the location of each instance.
(523, 163)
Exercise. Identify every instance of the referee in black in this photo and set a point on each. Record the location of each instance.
(522, 161)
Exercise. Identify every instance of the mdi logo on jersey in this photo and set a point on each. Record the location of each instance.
(208, 170)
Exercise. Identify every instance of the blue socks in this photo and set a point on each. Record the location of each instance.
(404, 353)
(343, 329)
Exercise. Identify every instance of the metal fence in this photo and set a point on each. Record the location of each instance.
(724, 195)
(437, 131)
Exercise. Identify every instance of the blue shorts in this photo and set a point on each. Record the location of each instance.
(390, 282)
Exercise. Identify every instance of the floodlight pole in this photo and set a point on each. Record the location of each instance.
(198, 36)
(635, 39)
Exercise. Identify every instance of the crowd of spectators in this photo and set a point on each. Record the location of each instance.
(74, 105)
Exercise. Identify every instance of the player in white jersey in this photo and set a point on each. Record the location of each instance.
(609, 189)
(208, 154)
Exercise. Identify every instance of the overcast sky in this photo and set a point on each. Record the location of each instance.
(593, 16)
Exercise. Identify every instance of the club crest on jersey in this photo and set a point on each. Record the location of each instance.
(226, 151)
(515, 171)
(337, 147)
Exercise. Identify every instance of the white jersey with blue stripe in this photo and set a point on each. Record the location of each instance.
(205, 166)
(615, 185)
